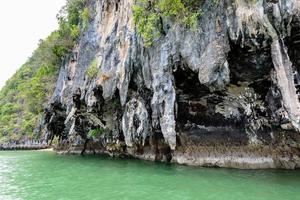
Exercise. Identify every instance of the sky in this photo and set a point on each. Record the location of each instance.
(23, 23)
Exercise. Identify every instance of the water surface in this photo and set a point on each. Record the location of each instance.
(34, 175)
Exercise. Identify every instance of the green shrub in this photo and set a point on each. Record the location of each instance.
(93, 69)
(55, 142)
(95, 133)
(75, 31)
(69, 19)
(148, 15)
(85, 17)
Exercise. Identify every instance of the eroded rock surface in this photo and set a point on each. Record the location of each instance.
(225, 94)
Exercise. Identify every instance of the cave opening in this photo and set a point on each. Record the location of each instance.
(293, 43)
(197, 119)
(98, 108)
(251, 67)
(55, 117)
(188, 94)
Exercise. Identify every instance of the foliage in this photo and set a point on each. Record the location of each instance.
(216, 2)
(253, 1)
(69, 26)
(94, 133)
(55, 141)
(149, 14)
(92, 69)
(85, 17)
(25, 95)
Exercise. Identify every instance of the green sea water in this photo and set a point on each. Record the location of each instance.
(34, 175)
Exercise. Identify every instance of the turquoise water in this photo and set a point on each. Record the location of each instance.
(44, 175)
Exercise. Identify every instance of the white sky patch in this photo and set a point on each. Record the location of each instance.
(23, 23)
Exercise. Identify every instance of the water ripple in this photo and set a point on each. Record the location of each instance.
(45, 175)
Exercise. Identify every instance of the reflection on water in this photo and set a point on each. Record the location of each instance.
(45, 175)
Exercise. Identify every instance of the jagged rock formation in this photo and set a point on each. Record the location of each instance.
(226, 94)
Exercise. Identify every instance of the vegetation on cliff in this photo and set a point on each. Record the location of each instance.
(92, 69)
(24, 96)
(148, 16)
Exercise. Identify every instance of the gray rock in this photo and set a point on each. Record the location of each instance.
(231, 82)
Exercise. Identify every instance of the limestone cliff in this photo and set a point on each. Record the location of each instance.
(225, 94)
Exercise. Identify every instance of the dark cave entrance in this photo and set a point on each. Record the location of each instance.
(188, 94)
(293, 42)
(195, 102)
(55, 117)
(251, 67)
(196, 113)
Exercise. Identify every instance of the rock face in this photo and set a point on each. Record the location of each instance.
(225, 94)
